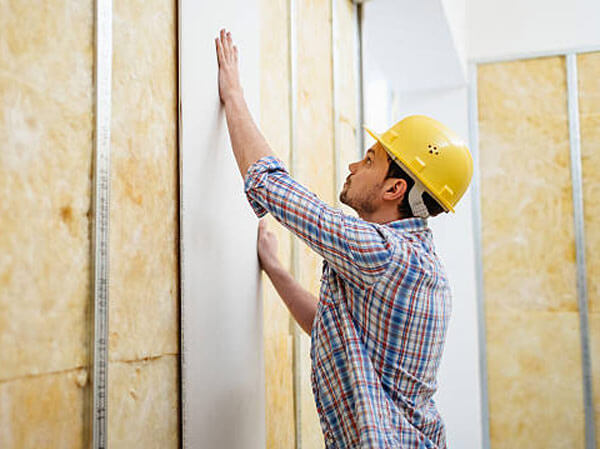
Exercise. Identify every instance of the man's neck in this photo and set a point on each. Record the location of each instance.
(382, 216)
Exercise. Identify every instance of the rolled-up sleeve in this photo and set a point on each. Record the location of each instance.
(360, 251)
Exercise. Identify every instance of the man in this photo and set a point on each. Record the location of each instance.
(379, 324)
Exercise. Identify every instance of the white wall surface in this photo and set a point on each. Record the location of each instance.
(456, 14)
(513, 27)
(412, 42)
(222, 348)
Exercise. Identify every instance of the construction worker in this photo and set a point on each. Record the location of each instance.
(379, 324)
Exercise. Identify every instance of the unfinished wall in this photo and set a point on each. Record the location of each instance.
(46, 136)
(144, 320)
(315, 166)
(275, 125)
(46, 125)
(588, 67)
(532, 321)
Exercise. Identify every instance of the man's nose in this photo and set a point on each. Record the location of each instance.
(352, 167)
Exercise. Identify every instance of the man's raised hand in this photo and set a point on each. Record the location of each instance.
(227, 58)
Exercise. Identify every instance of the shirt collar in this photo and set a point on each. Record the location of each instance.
(412, 224)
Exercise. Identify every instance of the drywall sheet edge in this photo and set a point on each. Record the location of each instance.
(222, 347)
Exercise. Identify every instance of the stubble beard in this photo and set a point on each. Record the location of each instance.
(362, 204)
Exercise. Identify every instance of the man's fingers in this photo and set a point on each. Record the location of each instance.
(229, 44)
(226, 51)
(224, 40)
(221, 45)
(218, 51)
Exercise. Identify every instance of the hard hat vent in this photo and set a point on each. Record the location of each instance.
(433, 149)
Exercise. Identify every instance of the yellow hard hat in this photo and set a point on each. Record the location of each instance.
(433, 154)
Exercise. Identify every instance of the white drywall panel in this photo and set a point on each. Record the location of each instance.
(222, 353)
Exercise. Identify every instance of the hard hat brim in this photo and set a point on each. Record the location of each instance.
(373, 134)
(379, 139)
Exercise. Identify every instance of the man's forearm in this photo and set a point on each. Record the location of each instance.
(248, 143)
(301, 304)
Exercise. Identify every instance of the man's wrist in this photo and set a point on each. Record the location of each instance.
(274, 268)
(234, 97)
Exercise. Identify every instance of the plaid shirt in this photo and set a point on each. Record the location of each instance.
(380, 326)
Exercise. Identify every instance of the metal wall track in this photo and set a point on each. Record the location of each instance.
(334, 100)
(477, 244)
(360, 134)
(180, 212)
(578, 221)
(100, 238)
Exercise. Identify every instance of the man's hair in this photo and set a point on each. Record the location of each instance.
(395, 171)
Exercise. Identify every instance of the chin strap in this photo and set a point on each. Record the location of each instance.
(415, 199)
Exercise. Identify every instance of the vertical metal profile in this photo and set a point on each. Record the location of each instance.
(100, 229)
(360, 134)
(180, 211)
(582, 296)
(294, 328)
(334, 101)
(476, 211)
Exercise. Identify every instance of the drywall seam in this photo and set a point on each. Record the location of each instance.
(536, 54)
(45, 373)
(294, 250)
(85, 367)
(476, 211)
(578, 217)
(146, 359)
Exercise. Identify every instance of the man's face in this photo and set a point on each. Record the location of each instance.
(364, 185)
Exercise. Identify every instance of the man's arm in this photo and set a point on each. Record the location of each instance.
(301, 304)
(359, 251)
(249, 145)
(247, 141)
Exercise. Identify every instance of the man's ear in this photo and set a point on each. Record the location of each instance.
(395, 189)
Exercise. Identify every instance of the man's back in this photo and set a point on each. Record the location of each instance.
(376, 350)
